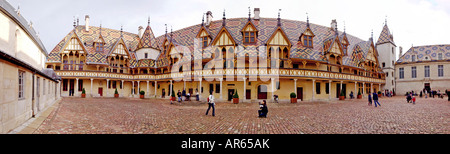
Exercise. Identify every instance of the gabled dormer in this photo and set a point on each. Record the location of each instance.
(204, 36)
(333, 50)
(119, 48)
(345, 43)
(99, 43)
(249, 33)
(307, 37)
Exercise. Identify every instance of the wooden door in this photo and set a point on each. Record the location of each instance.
(262, 92)
(248, 94)
(300, 93)
(100, 91)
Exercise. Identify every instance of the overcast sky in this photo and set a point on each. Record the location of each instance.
(413, 22)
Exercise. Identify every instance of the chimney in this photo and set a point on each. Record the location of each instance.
(141, 31)
(208, 18)
(86, 19)
(333, 24)
(256, 12)
(400, 51)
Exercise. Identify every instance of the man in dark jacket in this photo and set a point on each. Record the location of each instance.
(375, 99)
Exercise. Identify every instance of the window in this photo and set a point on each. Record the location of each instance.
(439, 56)
(146, 55)
(327, 88)
(427, 71)
(65, 84)
(211, 88)
(401, 73)
(440, 70)
(217, 88)
(21, 84)
(317, 87)
(99, 47)
(413, 72)
(278, 85)
(413, 58)
(249, 37)
(307, 41)
(205, 41)
(384, 64)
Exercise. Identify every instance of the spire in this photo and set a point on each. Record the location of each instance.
(223, 22)
(249, 14)
(307, 19)
(279, 20)
(121, 31)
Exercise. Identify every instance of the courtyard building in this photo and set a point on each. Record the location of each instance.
(423, 67)
(254, 56)
(26, 87)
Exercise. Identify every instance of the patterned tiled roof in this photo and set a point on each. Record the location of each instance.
(385, 36)
(185, 38)
(425, 53)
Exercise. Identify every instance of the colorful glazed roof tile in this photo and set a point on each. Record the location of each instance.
(148, 39)
(426, 53)
(385, 36)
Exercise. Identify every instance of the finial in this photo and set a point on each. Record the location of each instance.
(279, 20)
(78, 21)
(166, 29)
(371, 35)
(344, 26)
(171, 31)
(385, 20)
(249, 14)
(100, 27)
(307, 19)
(223, 22)
(148, 22)
(121, 31)
(74, 22)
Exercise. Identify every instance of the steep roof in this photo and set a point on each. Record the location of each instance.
(385, 36)
(148, 39)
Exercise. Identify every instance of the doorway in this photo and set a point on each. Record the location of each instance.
(71, 87)
(262, 92)
(300, 93)
(427, 87)
(248, 93)
(230, 94)
(100, 91)
(338, 90)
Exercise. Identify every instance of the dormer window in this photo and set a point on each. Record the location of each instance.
(99, 47)
(307, 41)
(205, 42)
(249, 37)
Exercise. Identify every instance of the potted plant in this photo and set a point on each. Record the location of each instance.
(83, 93)
(142, 93)
(379, 94)
(235, 97)
(342, 96)
(116, 94)
(293, 97)
(359, 95)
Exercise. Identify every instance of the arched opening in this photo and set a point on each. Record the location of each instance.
(262, 92)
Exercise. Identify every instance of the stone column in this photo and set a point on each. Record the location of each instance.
(132, 88)
(170, 88)
(148, 89)
(356, 92)
(313, 88)
(371, 87)
(121, 91)
(364, 89)
(107, 87)
(329, 89)
(92, 92)
(156, 86)
(75, 89)
(295, 86)
(273, 87)
(139, 90)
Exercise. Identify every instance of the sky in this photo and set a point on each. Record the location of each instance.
(412, 22)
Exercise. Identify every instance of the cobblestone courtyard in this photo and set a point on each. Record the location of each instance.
(157, 116)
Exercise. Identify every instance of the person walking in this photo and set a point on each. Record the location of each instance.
(211, 104)
(375, 99)
(370, 100)
(408, 98)
(414, 99)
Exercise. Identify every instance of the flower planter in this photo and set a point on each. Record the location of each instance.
(359, 96)
(141, 96)
(341, 97)
(235, 100)
(116, 95)
(293, 100)
(83, 95)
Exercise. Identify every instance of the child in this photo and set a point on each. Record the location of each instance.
(414, 99)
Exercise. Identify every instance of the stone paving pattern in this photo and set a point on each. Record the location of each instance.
(158, 116)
